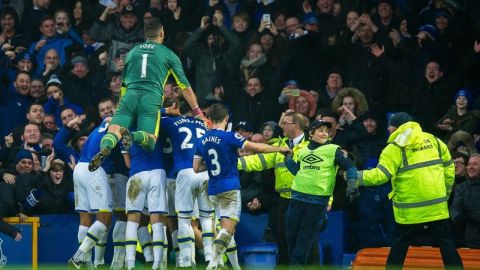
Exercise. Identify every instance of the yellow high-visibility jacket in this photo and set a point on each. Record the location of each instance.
(422, 173)
(260, 162)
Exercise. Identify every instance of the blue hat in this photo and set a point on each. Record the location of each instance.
(432, 30)
(464, 93)
(23, 56)
(310, 18)
(244, 125)
(399, 119)
(23, 154)
(294, 82)
(443, 13)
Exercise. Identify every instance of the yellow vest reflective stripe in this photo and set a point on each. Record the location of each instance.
(420, 204)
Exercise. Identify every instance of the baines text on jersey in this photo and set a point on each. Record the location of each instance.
(213, 139)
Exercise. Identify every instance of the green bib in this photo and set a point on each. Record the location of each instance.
(317, 172)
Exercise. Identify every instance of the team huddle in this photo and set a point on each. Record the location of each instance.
(199, 181)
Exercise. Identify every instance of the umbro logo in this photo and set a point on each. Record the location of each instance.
(311, 159)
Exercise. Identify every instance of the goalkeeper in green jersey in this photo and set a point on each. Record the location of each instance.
(147, 67)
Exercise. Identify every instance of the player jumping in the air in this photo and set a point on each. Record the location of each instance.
(147, 67)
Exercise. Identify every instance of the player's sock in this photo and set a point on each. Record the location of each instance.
(163, 264)
(232, 254)
(118, 236)
(186, 238)
(207, 236)
(110, 140)
(144, 140)
(158, 239)
(219, 246)
(94, 233)
(131, 243)
(176, 249)
(100, 250)
(145, 240)
(82, 233)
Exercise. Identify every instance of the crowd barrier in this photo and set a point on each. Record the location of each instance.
(56, 239)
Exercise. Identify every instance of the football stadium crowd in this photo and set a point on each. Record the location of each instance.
(277, 65)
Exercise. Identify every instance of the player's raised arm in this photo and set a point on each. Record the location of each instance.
(265, 148)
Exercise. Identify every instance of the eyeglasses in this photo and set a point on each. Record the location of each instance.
(287, 123)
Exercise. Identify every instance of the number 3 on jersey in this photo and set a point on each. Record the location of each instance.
(216, 169)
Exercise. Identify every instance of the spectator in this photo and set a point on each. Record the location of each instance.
(241, 28)
(57, 101)
(460, 117)
(245, 129)
(304, 103)
(79, 87)
(37, 91)
(306, 60)
(51, 39)
(114, 85)
(49, 124)
(23, 62)
(255, 64)
(350, 104)
(11, 33)
(333, 86)
(124, 30)
(257, 187)
(22, 164)
(82, 12)
(33, 16)
(63, 26)
(51, 65)
(366, 64)
(174, 18)
(47, 141)
(463, 142)
(8, 209)
(376, 224)
(56, 186)
(346, 138)
(431, 97)
(271, 132)
(254, 104)
(35, 115)
(13, 106)
(465, 207)
(70, 131)
(214, 51)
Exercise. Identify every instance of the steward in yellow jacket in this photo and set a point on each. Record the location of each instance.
(422, 173)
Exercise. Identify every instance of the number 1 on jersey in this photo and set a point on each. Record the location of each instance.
(144, 65)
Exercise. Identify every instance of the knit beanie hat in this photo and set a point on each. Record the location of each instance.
(23, 154)
(399, 119)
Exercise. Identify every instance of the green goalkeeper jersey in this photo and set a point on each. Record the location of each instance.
(148, 65)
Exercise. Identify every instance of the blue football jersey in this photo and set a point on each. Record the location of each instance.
(142, 160)
(219, 150)
(183, 131)
(92, 146)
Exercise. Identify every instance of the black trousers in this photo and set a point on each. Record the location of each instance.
(406, 234)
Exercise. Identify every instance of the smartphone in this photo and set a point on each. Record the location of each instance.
(266, 18)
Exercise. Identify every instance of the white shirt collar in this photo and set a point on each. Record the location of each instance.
(298, 139)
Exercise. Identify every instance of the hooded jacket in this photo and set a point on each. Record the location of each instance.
(422, 174)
